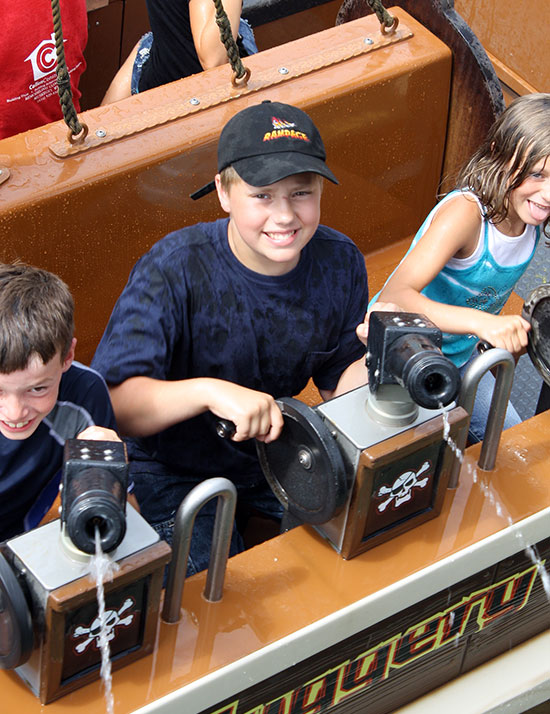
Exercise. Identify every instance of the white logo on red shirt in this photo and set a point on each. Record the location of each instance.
(43, 58)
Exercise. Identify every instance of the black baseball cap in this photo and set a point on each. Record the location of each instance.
(268, 142)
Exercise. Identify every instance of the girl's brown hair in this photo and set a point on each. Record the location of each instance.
(518, 140)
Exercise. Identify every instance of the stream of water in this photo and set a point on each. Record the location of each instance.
(488, 492)
(102, 569)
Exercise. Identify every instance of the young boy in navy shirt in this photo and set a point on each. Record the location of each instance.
(220, 319)
(45, 396)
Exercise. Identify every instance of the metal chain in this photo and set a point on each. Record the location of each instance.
(240, 72)
(78, 131)
(384, 17)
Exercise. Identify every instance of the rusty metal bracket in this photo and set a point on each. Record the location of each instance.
(149, 119)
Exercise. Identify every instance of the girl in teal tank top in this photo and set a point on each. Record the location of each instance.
(476, 243)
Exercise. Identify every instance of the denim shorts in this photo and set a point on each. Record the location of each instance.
(144, 49)
(256, 498)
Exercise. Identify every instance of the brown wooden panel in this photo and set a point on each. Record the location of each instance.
(476, 96)
(136, 23)
(382, 115)
(516, 33)
(102, 52)
(297, 25)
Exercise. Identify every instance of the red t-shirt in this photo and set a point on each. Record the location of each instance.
(28, 90)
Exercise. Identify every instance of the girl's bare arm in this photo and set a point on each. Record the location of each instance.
(453, 233)
(206, 34)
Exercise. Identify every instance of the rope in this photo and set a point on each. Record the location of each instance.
(64, 81)
(384, 17)
(240, 72)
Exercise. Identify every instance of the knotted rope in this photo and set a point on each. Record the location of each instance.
(384, 18)
(77, 131)
(240, 72)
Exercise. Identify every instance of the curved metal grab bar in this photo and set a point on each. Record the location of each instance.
(494, 357)
(221, 540)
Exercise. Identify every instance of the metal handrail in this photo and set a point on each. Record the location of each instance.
(504, 362)
(226, 493)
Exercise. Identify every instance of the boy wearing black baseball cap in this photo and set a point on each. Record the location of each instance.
(220, 319)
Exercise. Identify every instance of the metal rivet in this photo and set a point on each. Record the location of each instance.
(100, 133)
(283, 70)
(194, 101)
(304, 458)
(368, 41)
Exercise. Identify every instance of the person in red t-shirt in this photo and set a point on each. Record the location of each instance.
(28, 91)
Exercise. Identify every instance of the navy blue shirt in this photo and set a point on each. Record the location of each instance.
(29, 466)
(191, 309)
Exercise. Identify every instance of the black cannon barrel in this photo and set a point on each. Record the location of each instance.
(95, 479)
(404, 349)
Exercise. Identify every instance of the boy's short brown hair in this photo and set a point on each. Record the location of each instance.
(229, 177)
(36, 316)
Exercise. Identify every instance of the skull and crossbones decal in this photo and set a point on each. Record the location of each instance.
(401, 489)
(113, 620)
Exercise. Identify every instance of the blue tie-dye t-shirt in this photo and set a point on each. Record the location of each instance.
(191, 309)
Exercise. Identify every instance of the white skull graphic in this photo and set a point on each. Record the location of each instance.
(113, 619)
(401, 489)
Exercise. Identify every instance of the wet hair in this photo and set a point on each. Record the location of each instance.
(518, 140)
(36, 316)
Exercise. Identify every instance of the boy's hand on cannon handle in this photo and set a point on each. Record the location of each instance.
(255, 414)
(99, 433)
(362, 330)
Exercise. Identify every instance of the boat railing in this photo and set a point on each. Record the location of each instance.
(226, 493)
(503, 362)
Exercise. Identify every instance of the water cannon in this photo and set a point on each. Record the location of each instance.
(404, 349)
(49, 624)
(93, 493)
(372, 463)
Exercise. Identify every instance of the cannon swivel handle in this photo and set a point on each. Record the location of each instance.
(225, 428)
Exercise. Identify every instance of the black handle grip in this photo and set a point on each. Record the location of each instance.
(225, 428)
(483, 346)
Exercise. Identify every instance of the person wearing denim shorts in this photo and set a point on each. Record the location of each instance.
(184, 40)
